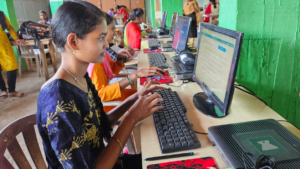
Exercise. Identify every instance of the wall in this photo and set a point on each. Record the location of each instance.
(29, 9)
(270, 62)
(148, 11)
(7, 6)
(171, 6)
(55, 4)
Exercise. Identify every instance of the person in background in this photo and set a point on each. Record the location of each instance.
(122, 10)
(102, 73)
(111, 33)
(212, 8)
(44, 18)
(8, 61)
(70, 116)
(112, 12)
(192, 10)
(132, 29)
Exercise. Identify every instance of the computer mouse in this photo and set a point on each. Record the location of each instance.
(187, 58)
(153, 48)
(161, 72)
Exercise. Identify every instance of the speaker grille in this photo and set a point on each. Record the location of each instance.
(227, 131)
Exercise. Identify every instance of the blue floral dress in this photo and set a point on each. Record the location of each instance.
(69, 124)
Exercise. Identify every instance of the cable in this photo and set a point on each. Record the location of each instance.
(263, 161)
(200, 133)
(251, 93)
(183, 82)
(290, 123)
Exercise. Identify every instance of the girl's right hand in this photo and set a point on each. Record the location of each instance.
(145, 105)
(149, 30)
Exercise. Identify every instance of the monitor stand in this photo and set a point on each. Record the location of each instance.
(206, 106)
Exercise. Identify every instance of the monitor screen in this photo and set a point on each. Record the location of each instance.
(163, 21)
(181, 33)
(216, 62)
(173, 23)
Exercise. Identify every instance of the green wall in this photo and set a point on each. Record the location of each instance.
(269, 62)
(7, 6)
(54, 4)
(171, 6)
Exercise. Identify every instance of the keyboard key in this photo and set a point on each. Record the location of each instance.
(184, 143)
(177, 144)
(170, 140)
(167, 146)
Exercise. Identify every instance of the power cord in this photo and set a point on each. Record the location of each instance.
(250, 92)
(290, 123)
(263, 161)
(198, 131)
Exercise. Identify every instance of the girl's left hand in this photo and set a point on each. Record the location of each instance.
(147, 89)
(149, 30)
(20, 41)
(124, 53)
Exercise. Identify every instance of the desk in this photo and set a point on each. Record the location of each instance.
(244, 108)
(211, 16)
(121, 18)
(42, 54)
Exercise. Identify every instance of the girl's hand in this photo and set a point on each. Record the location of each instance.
(145, 105)
(149, 30)
(149, 71)
(124, 53)
(20, 41)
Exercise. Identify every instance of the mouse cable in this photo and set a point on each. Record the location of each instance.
(183, 82)
(253, 94)
(198, 131)
(263, 161)
(290, 123)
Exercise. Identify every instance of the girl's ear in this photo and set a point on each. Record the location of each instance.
(72, 41)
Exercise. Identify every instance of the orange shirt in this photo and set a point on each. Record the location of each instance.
(106, 92)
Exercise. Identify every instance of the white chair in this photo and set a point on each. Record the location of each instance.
(27, 52)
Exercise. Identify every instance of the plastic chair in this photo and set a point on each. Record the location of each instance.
(8, 141)
(27, 52)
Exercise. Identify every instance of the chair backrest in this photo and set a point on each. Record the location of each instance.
(24, 125)
(26, 52)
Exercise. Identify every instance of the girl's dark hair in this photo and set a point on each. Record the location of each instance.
(43, 12)
(68, 20)
(214, 2)
(111, 9)
(137, 12)
(73, 17)
(120, 6)
(109, 19)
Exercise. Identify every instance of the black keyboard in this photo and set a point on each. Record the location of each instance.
(158, 60)
(174, 131)
(153, 43)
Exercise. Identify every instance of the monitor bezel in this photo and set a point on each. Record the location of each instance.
(234, 64)
(164, 23)
(175, 14)
(187, 35)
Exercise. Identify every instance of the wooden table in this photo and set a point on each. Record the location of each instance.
(42, 54)
(211, 16)
(121, 17)
(244, 108)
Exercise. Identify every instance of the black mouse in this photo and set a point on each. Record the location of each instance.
(187, 58)
(153, 48)
(161, 72)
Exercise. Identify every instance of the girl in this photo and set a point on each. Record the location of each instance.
(121, 10)
(212, 8)
(8, 61)
(102, 73)
(132, 30)
(192, 10)
(70, 115)
(44, 18)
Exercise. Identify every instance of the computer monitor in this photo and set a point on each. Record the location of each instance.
(181, 33)
(163, 21)
(173, 24)
(215, 69)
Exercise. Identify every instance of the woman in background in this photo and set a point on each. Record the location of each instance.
(212, 8)
(102, 73)
(121, 10)
(112, 12)
(192, 10)
(132, 29)
(44, 18)
(8, 61)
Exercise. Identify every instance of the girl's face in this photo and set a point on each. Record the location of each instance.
(139, 20)
(43, 16)
(110, 32)
(91, 49)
